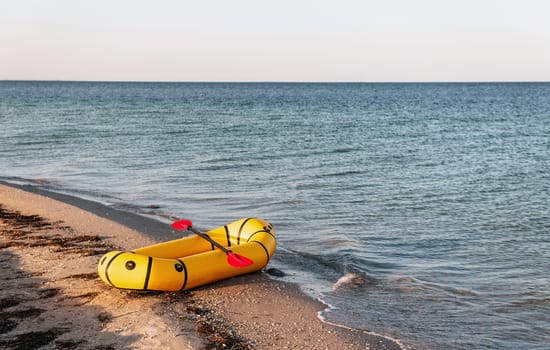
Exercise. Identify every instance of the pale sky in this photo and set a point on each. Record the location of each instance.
(275, 40)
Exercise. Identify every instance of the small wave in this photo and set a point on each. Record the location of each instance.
(408, 284)
(177, 132)
(344, 150)
(340, 173)
(320, 316)
(530, 301)
(161, 216)
(221, 159)
(350, 280)
(222, 166)
(41, 181)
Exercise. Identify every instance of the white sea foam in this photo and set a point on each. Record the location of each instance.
(350, 280)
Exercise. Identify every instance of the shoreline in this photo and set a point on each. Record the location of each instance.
(246, 312)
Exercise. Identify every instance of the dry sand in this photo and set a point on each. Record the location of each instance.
(52, 298)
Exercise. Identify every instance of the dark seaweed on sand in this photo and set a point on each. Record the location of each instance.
(22, 232)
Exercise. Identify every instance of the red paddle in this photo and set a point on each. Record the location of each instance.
(233, 259)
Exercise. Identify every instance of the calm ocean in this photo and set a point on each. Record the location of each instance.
(417, 211)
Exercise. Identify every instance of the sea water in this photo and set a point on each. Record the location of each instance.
(416, 211)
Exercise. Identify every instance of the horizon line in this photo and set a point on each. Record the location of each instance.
(277, 81)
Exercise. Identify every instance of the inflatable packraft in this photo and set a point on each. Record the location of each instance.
(191, 261)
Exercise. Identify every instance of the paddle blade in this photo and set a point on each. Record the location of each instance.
(237, 260)
(182, 224)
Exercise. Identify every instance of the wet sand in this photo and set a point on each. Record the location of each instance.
(51, 296)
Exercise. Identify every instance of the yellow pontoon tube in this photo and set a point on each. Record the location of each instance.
(190, 262)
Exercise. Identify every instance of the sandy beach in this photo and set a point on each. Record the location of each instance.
(52, 298)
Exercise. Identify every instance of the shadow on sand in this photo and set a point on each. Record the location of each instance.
(33, 315)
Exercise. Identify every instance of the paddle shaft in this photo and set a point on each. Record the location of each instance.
(205, 236)
(234, 260)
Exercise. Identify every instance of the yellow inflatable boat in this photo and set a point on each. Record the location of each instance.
(191, 261)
